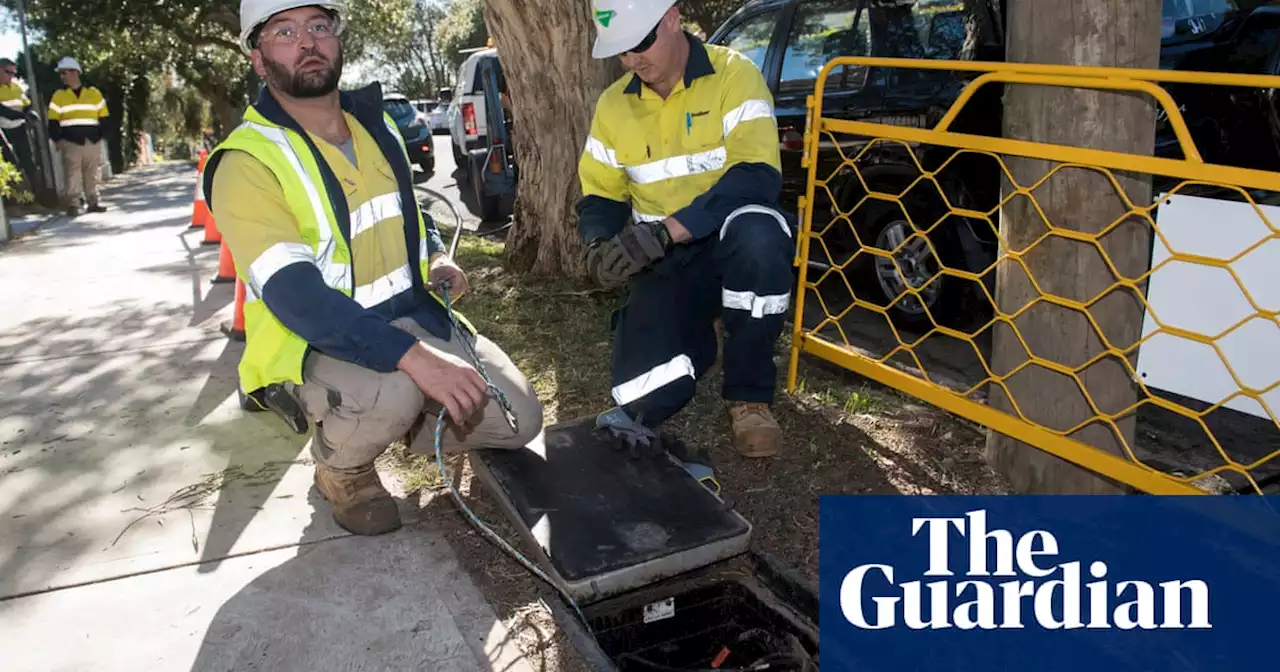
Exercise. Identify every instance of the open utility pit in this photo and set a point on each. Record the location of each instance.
(730, 616)
(660, 566)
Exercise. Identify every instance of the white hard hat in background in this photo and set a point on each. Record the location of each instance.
(68, 63)
(254, 13)
(622, 24)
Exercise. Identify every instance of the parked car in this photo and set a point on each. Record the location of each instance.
(413, 126)
(438, 116)
(468, 120)
(791, 40)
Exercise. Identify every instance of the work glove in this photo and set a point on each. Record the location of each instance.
(612, 261)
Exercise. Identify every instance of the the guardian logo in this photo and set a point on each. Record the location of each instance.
(1052, 594)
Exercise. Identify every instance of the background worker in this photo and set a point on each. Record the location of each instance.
(314, 195)
(687, 147)
(15, 111)
(76, 114)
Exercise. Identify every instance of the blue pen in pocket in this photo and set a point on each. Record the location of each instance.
(688, 123)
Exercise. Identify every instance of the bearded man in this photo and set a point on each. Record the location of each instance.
(313, 194)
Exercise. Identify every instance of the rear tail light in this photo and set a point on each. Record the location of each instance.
(469, 119)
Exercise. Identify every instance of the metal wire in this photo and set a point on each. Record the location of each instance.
(512, 422)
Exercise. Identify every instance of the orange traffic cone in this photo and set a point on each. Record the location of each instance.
(226, 266)
(211, 234)
(234, 329)
(200, 215)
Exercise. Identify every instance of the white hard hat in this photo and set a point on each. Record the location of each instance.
(622, 24)
(254, 13)
(68, 63)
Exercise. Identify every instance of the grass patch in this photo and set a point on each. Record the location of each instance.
(556, 330)
(414, 472)
(843, 434)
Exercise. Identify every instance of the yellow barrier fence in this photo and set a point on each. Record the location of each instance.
(1129, 327)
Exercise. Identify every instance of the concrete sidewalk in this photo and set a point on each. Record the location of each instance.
(149, 523)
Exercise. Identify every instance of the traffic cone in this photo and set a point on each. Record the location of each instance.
(211, 234)
(200, 215)
(234, 329)
(226, 266)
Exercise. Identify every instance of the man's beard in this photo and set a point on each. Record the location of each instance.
(310, 84)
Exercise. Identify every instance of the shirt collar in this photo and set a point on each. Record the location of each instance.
(699, 65)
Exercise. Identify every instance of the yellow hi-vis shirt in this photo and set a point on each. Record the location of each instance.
(662, 155)
(13, 97)
(80, 116)
(254, 217)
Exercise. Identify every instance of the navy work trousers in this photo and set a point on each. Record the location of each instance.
(664, 337)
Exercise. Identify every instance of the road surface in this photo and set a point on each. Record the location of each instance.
(445, 181)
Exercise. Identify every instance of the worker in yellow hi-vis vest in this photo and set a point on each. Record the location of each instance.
(76, 113)
(15, 111)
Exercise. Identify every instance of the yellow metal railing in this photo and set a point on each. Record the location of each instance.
(825, 334)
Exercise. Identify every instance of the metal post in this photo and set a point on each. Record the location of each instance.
(33, 89)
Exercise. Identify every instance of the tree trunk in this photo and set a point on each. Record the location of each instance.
(545, 47)
(1075, 32)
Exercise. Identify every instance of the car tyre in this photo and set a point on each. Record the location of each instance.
(486, 204)
(877, 281)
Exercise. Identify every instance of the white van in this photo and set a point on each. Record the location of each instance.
(467, 120)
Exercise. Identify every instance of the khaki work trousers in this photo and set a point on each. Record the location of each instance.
(81, 164)
(358, 412)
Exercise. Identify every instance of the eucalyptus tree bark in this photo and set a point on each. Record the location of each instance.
(1073, 32)
(545, 49)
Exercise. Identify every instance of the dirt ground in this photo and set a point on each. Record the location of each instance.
(844, 435)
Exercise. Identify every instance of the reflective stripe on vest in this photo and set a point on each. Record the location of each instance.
(273, 354)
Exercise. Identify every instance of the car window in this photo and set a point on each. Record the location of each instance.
(1185, 9)
(398, 108)
(752, 36)
(918, 29)
(822, 31)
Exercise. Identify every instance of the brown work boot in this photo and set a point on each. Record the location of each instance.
(755, 432)
(360, 504)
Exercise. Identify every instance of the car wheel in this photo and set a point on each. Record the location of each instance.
(459, 159)
(428, 166)
(486, 204)
(879, 281)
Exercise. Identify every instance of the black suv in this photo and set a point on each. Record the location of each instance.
(791, 40)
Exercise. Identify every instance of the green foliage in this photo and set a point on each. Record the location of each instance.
(407, 58)
(126, 39)
(463, 27)
(707, 15)
(10, 177)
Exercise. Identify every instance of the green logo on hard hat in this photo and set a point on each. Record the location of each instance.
(604, 16)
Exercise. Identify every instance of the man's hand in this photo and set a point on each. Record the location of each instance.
(449, 380)
(443, 269)
(676, 230)
(614, 260)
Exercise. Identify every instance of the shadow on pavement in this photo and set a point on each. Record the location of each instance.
(395, 602)
(102, 420)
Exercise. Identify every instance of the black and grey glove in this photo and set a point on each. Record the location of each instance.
(612, 261)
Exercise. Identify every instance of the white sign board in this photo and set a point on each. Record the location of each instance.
(1208, 300)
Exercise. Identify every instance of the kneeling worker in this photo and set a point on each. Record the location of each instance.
(687, 148)
(314, 196)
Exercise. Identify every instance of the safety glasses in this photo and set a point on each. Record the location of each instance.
(645, 43)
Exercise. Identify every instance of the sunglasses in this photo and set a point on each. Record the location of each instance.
(645, 43)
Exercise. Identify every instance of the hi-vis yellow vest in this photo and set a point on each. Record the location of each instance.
(274, 354)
